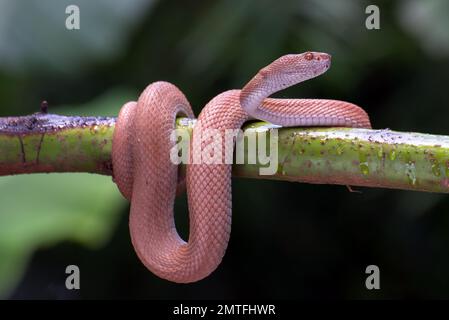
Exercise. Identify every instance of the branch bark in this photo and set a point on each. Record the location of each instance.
(346, 156)
(52, 143)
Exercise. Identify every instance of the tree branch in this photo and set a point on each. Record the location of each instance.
(346, 156)
(52, 143)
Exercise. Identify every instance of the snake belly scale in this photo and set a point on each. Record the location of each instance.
(146, 176)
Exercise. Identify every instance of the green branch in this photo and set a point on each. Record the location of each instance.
(52, 143)
(346, 156)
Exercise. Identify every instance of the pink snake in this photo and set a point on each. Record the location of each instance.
(146, 176)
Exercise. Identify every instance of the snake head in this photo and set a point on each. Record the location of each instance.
(282, 73)
(299, 67)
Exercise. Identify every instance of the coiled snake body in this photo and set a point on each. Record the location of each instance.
(146, 176)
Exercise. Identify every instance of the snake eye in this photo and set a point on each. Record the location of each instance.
(308, 56)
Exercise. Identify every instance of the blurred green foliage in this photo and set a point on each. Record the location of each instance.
(44, 210)
(288, 240)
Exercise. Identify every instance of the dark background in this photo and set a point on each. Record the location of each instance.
(288, 240)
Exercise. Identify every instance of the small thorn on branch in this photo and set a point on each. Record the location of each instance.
(352, 190)
(44, 107)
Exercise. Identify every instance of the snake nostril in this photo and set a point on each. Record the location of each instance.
(324, 56)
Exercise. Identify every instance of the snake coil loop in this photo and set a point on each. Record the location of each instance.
(146, 176)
